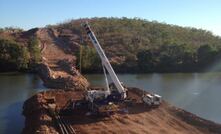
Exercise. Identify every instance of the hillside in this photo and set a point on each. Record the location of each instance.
(40, 50)
(19, 50)
(132, 45)
(135, 45)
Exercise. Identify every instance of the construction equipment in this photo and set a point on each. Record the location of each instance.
(152, 99)
(113, 95)
(114, 92)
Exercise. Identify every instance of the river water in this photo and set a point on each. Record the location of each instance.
(14, 89)
(198, 93)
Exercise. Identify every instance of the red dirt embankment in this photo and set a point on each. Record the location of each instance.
(58, 69)
(58, 66)
(165, 119)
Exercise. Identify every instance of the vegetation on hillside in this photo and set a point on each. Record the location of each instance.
(177, 58)
(16, 56)
(150, 46)
(132, 45)
(33, 47)
(11, 29)
(88, 59)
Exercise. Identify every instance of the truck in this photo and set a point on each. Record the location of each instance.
(151, 99)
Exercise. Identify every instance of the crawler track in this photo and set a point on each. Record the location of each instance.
(64, 127)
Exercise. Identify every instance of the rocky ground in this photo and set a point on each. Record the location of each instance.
(58, 68)
(140, 119)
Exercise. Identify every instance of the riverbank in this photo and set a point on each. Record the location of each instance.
(139, 119)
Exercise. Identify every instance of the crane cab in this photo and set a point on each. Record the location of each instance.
(95, 95)
(115, 94)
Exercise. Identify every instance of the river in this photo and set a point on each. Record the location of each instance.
(15, 88)
(198, 93)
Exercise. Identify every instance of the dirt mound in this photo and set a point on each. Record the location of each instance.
(58, 66)
(37, 119)
(58, 69)
(139, 119)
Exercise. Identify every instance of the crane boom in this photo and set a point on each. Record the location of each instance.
(105, 61)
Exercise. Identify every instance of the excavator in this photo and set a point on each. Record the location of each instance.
(115, 92)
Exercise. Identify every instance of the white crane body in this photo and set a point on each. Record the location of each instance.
(97, 95)
(105, 62)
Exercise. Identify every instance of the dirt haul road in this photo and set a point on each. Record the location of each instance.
(58, 68)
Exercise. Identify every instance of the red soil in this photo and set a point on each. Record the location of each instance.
(165, 119)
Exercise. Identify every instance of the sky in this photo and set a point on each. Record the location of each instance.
(27, 14)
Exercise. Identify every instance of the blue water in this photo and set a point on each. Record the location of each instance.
(14, 89)
(198, 93)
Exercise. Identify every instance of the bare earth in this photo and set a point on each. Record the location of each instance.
(58, 68)
(140, 119)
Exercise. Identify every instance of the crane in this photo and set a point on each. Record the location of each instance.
(121, 92)
(115, 92)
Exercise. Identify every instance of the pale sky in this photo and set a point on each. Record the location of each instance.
(26, 14)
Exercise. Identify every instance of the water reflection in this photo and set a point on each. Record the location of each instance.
(196, 92)
(14, 89)
(14, 122)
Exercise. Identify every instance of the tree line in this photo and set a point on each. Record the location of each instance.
(166, 58)
(148, 46)
(178, 58)
(17, 56)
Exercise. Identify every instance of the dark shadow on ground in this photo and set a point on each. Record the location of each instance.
(139, 108)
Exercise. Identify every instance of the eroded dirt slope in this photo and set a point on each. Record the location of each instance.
(58, 69)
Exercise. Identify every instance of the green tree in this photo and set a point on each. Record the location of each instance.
(34, 49)
(90, 60)
(146, 60)
(14, 54)
(206, 55)
(170, 56)
(189, 58)
(24, 58)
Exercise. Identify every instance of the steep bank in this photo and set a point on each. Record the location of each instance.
(41, 50)
(58, 66)
(139, 119)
